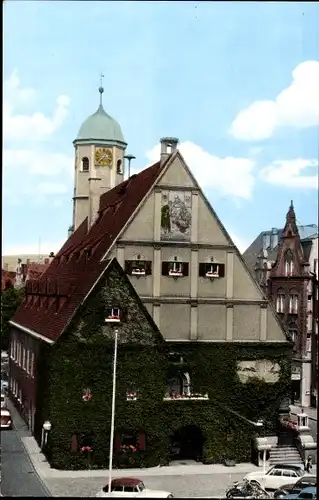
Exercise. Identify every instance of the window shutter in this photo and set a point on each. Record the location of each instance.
(221, 270)
(185, 268)
(141, 440)
(128, 267)
(124, 314)
(202, 269)
(165, 268)
(74, 443)
(148, 268)
(117, 442)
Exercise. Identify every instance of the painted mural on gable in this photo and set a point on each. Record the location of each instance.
(262, 369)
(176, 215)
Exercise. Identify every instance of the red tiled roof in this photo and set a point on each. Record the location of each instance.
(7, 278)
(52, 300)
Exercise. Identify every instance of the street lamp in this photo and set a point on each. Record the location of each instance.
(46, 427)
(265, 447)
(113, 318)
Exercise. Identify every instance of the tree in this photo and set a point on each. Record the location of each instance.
(11, 299)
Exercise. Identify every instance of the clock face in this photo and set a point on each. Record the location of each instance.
(103, 157)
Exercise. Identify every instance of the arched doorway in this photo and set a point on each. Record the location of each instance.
(187, 443)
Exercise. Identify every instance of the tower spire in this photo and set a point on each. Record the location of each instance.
(101, 89)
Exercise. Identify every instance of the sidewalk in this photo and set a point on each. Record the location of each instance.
(44, 470)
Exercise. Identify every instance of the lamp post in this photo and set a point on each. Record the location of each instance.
(113, 318)
(261, 423)
(46, 427)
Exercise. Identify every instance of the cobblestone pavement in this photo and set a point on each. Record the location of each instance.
(201, 485)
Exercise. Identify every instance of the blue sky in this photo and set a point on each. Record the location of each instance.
(237, 82)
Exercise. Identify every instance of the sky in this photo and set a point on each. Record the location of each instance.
(236, 82)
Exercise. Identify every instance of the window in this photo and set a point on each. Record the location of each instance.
(130, 489)
(113, 315)
(211, 270)
(175, 268)
(23, 355)
(138, 267)
(275, 472)
(12, 349)
(292, 330)
(32, 367)
(293, 303)
(280, 303)
(117, 488)
(308, 345)
(119, 169)
(179, 385)
(287, 473)
(289, 265)
(85, 164)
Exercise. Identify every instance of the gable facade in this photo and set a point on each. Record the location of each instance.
(207, 308)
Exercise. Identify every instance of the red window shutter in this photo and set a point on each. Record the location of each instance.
(117, 442)
(148, 267)
(185, 268)
(165, 268)
(141, 440)
(128, 267)
(74, 443)
(221, 270)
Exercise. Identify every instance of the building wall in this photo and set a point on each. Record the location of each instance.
(200, 240)
(23, 352)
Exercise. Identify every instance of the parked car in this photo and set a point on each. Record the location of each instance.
(3, 400)
(6, 420)
(4, 383)
(277, 476)
(131, 487)
(300, 485)
(309, 493)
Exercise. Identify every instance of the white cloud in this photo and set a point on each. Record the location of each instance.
(240, 243)
(37, 162)
(290, 173)
(36, 248)
(228, 176)
(296, 106)
(35, 126)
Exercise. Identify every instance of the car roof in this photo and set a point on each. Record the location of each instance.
(308, 479)
(126, 481)
(287, 466)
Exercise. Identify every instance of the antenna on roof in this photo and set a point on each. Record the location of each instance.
(129, 158)
(39, 249)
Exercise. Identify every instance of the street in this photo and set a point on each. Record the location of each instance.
(194, 485)
(18, 477)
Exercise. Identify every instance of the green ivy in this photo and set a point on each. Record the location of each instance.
(83, 358)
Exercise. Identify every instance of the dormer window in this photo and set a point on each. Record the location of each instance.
(85, 164)
(113, 315)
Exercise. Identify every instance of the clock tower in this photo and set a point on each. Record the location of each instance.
(99, 163)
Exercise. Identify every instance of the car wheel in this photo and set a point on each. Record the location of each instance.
(170, 496)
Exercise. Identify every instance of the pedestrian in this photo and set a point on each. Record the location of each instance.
(308, 466)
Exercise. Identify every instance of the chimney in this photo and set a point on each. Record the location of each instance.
(28, 262)
(266, 240)
(274, 237)
(70, 231)
(46, 261)
(6, 267)
(168, 146)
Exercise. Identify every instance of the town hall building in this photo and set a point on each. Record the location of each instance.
(202, 353)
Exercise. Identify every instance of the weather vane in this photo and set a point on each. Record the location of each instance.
(101, 89)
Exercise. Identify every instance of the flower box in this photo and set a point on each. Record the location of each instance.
(212, 274)
(138, 272)
(175, 273)
(184, 397)
(112, 319)
(131, 396)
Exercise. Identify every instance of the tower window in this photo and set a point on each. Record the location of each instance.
(119, 168)
(85, 164)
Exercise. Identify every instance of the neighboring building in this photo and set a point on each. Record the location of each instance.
(9, 262)
(285, 263)
(229, 352)
(7, 279)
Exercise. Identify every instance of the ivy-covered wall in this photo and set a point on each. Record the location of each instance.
(83, 358)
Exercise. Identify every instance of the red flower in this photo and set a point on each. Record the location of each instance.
(87, 449)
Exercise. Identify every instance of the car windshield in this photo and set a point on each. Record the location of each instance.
(141, 486)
